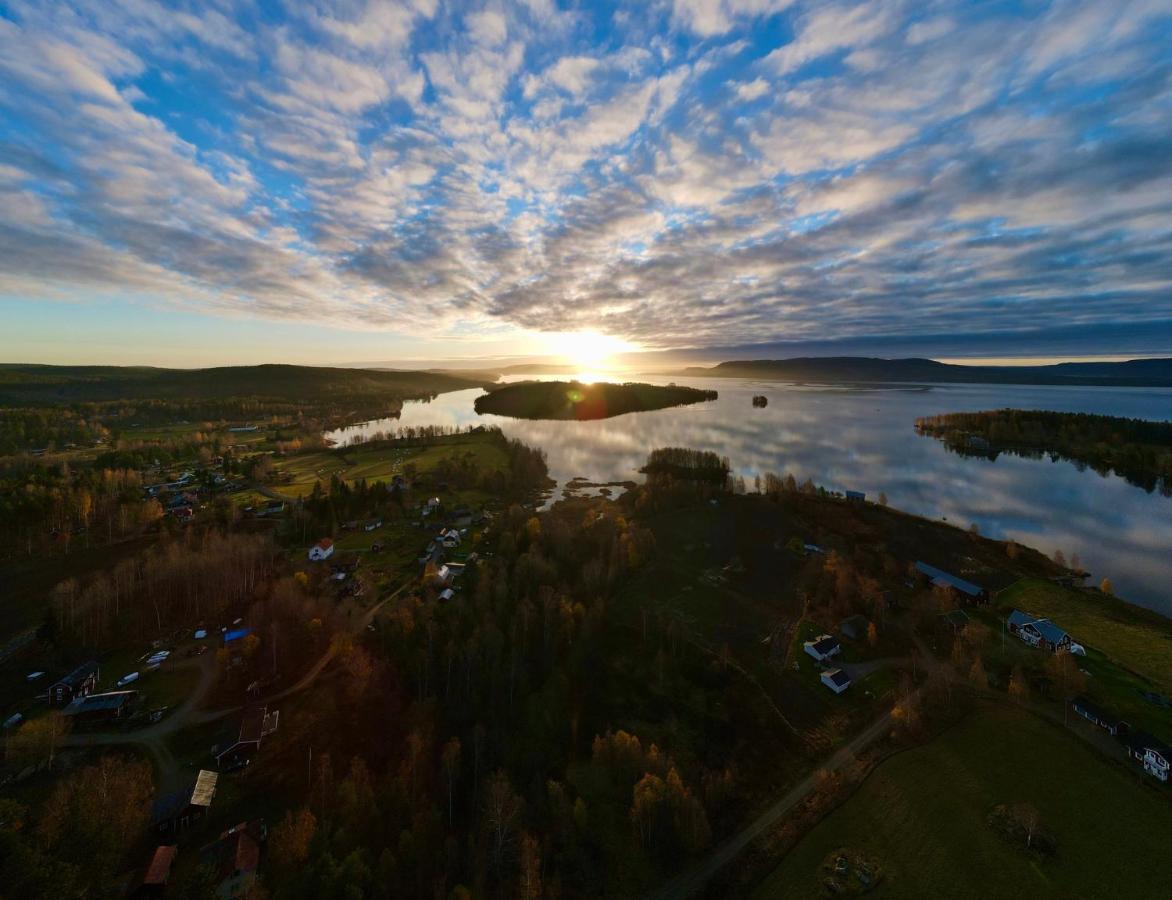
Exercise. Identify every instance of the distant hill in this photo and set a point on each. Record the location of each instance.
(854, 369)
(41, 385)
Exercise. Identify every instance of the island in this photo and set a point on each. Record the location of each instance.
(577, 400)
(1137, 450)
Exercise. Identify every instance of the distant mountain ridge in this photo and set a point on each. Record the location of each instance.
(38, 384)
(850, 369)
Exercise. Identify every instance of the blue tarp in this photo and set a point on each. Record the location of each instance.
(236, 635)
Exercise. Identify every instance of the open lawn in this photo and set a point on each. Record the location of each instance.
(380, 463)
(1135, 638)
(923, 815)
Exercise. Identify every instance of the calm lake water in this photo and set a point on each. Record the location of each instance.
(864, 439)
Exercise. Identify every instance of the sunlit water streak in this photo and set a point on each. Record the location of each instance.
(864, 439)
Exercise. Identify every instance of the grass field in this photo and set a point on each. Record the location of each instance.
(1139, 640)
(380, 463)
(923, 815)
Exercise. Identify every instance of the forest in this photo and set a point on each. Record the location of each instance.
(1137, 450)
(578, 400)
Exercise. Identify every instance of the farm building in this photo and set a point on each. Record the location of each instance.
(323, 549)
(966, 590)
(154, 881)
(1153, 754)
(97, 708)
(854, 627)
(1038, 632)
(256, 724)
(855, 496)
(176, 811)
(234, 858)
(1096, 714)
(78, 683)
(836, 679)
(823, 647)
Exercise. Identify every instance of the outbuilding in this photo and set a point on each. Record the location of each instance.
(823, 647)
(79, 683)
(323, 549)
(836, 679)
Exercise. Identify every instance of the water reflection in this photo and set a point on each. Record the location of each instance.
(864, 439)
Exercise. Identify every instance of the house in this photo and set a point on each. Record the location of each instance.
(1153, 754)
(966, 590)
(95, 708)
(823, 647)
(957, 619)
(154, 882)
(836, 679)
(323, 549)
(1096, 714)
(234, 859)
(1038, 632)
(256, 724)
(183, 514)
(174, 812)
(855, 496)
(854, 627)
(78, 683)
(447, 594)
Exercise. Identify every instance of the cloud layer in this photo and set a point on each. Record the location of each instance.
(699, 172)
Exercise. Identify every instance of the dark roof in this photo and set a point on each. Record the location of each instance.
(236, 850)
(940, 577)
(856, 623)
(826, 644)
(79, 675)
(97, 702)
(160, 868)
(1099, 712)
(838, 676)
(1141, 740)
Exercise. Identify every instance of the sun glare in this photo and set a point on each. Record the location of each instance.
(589, 351)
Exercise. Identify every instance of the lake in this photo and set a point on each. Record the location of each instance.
(863, 438)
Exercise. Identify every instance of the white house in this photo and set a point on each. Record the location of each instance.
(1038, 632)
(836, 679)
(323, 549)
(1153, 754)
(823, 647)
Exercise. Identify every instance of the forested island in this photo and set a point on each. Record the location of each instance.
(575, 400)
(1135, 449)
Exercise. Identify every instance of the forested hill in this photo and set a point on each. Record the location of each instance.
(41, 385)
(845, 369)
(1135, 449)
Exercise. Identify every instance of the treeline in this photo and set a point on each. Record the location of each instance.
(1137, 450)
(686, 464)
(44, 507)
(470, 747)
(197, 579)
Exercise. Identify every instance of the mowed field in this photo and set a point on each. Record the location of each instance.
(380, 463)
(923, 815)
(1139, 640)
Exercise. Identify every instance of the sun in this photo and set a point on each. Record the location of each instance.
(589, 351)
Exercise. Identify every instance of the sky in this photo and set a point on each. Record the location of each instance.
(224, 182)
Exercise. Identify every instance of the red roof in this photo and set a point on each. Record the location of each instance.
(326, 543)
(160, 868)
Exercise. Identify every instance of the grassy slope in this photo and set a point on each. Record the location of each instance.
(1137, 639)
(923, 814)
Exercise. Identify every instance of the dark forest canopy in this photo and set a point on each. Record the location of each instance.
(686, 464)
(42, 385)
(851, 369)
(1135, 449)
(575, 400)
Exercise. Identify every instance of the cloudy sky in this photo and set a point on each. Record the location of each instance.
(330, 182)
